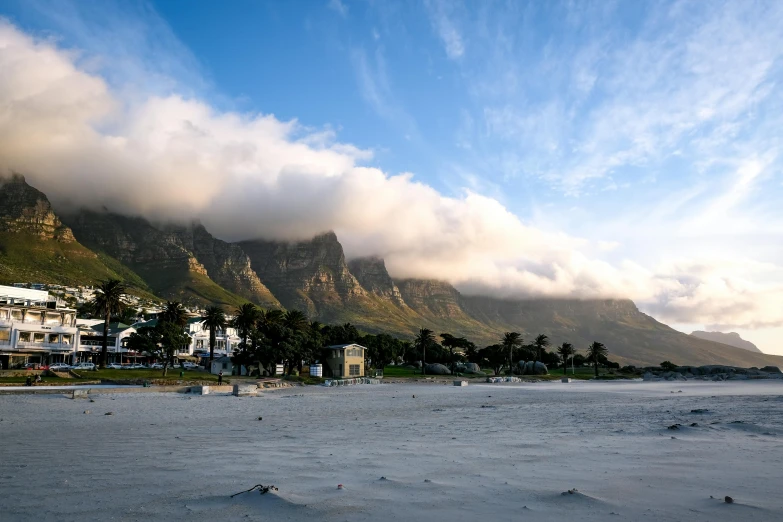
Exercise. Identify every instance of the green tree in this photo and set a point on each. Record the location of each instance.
(172, 338)
(174, 313)
(451, 342)
(214, 319)
(540, 342)
(245, 318)
(510, 342)
(595, 352)
(106, 303)
(565, 351)
(424, 340)
(494, 356)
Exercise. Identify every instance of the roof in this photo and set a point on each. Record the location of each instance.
(114, 328)
(341, 346)
(222, 359)
(152, 323)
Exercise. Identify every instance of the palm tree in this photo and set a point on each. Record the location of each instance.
(424, 339)
(174, 313)
(596, 351)
(296, 320)
(107, 303)
(451, 342)
(510, 341)
(541, 342)
(244, 320)
(214, 319)
(565, 351)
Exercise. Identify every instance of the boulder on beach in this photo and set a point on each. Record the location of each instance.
(437, 369)
(533, 368)
(648, 376)
(472, 368)
(771, 369)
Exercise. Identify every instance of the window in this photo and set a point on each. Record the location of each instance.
(24, 337)
(5, 334)
(353, 370)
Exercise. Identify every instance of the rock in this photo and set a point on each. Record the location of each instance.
(260, 418)
(109, 413)
(674, 427)
(245, 390)
(533, 368)
(728, 500)
(771, 369)
(437, 369)
(648, 376)
(87, 412)
(472, 368)
(737, 377)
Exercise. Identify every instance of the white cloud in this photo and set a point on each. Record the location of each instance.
(446, 28)
(85, 142)
(339, 7)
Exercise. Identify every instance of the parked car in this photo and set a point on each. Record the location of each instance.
(84, 366)
(114, 366)
(136, 366)
(190, 366)
(59, 367)
(156, 366)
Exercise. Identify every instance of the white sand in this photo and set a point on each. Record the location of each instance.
(484, 452)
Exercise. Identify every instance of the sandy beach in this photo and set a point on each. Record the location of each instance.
(482, 452)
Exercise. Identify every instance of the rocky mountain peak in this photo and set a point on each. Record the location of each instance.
(372, 275)
(306, 274)
(430, 296)
(25, 209)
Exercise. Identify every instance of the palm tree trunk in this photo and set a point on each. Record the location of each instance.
(595, 365)
(105, 345)
(211, 346)
(565, 365)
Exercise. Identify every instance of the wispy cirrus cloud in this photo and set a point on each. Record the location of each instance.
(446, 28)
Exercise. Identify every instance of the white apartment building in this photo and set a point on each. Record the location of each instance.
(35, 327)
(226, 341)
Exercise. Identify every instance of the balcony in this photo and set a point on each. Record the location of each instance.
(30, 345)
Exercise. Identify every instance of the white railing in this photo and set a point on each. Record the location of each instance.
(41, 346)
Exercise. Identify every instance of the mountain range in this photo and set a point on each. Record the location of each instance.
(730, 338)
(186, 263)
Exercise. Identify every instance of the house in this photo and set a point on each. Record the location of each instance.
(226, 340)
(34, 327)
(344, 361)
(222, 364)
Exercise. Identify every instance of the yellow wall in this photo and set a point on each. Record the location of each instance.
(335, 362)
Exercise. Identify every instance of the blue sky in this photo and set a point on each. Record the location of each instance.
(635, 145)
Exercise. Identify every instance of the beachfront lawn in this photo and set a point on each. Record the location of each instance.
(173, 374)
